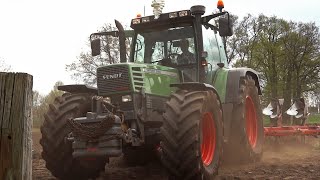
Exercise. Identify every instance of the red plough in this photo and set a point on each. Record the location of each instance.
(299, 113)
(308, 130)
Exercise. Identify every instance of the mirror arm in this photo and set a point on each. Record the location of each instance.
(110, 33)
(206, 19)
(212, 27)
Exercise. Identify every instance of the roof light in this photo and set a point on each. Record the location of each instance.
(145, 19)
(220, 5)
(138, 15)
(173, 15)
(157, 7)
(183, 13)
(136, 21)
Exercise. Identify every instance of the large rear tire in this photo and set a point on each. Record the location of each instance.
(191, 144)
(247, 134)
(56, 151)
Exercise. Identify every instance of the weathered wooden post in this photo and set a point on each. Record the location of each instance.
(15, 126)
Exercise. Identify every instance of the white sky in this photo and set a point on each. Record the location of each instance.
(40, 37)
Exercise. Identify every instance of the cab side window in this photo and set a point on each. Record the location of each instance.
(139, 49)
(211, 46)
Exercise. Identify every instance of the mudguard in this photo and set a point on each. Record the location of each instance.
(196, 86)
(233, 82)
(232, 94)
(78, 88)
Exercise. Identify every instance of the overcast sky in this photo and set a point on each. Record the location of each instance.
(40, 37)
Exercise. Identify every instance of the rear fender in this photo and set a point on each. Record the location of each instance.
(78, 88)
(233, 83)
(232, 94)
(196, 86)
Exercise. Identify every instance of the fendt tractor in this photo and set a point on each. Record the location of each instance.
(175, 100)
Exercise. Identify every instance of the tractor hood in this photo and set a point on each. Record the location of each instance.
(135, 77)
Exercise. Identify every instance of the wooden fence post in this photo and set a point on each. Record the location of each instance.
(15, 126)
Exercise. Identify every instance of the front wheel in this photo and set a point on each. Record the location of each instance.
(191, 142)
(56, 151)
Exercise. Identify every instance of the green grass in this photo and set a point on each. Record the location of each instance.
(266, 120)
(314, 118)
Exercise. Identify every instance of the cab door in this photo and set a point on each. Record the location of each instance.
(213, 45)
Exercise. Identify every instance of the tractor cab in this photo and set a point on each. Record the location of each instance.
(186, 42)
(162, 39)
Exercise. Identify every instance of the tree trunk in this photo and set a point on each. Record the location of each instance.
(15, 126)
(298, 85)
(287, 95)
(274, 78)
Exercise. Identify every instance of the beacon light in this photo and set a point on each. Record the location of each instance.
(220, 5)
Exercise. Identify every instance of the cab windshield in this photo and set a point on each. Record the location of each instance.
(173, 46)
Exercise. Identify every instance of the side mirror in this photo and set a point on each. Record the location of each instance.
(225, 26)
(95, 47)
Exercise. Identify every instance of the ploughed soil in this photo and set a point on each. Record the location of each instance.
(287, 158)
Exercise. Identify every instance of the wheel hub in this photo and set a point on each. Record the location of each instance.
(251, 122)
(208, 143)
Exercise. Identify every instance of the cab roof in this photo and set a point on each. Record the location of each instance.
(166, 20)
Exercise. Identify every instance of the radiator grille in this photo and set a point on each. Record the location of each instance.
(138, 81)
(113, 79)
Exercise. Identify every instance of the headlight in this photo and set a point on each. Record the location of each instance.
(126, 98)
(108, 99)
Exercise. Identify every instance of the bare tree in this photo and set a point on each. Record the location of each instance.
(41, 103)
(4, 67)
(84, 68)
(286, 53)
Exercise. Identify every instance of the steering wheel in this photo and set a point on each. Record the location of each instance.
(167, 59)
(165, 62)
(173, 55)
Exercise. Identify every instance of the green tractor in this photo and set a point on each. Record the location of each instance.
(189, 110)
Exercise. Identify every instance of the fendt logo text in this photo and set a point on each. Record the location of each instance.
(112, 76)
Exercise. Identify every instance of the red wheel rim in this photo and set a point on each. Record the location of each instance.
(208, 143)
(251, 122)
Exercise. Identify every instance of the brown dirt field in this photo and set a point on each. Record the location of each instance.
(287, 160)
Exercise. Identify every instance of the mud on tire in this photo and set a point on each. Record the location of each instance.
(56, 151)
(192, 139)
(247, 135)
